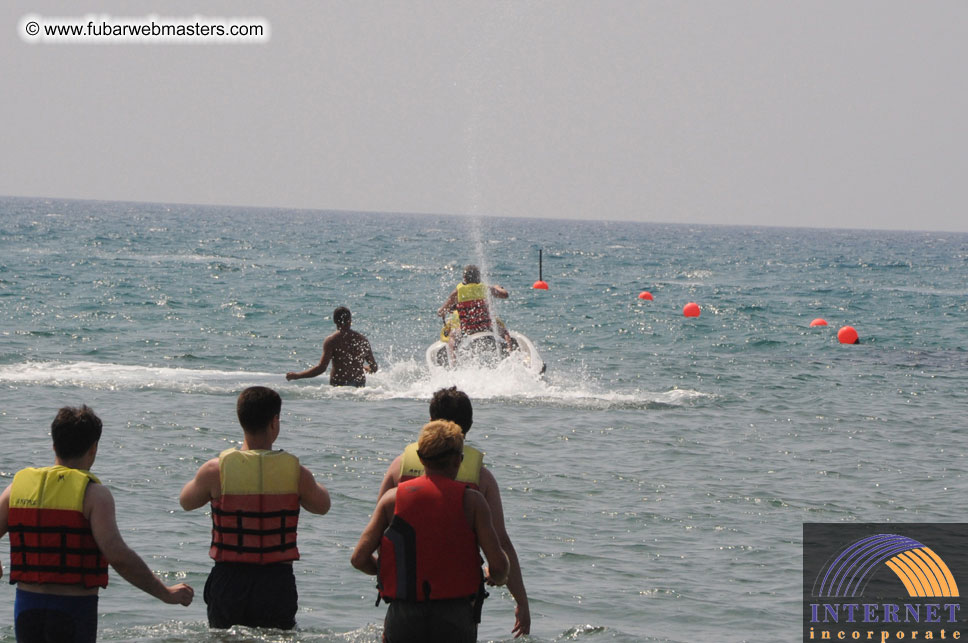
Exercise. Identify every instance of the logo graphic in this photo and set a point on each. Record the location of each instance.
(922, 571)
(884, 582)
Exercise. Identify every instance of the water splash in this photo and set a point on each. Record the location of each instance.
(509, 382)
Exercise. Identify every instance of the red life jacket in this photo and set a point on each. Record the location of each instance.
(50, 539)
(429, 552)
(254, 520)
(475, 316)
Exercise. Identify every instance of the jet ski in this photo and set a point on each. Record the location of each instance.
(487, 349)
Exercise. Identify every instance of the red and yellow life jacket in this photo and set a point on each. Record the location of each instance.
(254, 520)
(429, 552)
(470, 467)
(475, 316)
(50, 539)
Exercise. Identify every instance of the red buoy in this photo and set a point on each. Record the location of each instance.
(818, 322)
(541, 284)
(847, 335)
(645, 294)
(691, 309)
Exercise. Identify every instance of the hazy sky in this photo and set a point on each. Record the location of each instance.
(824, 114)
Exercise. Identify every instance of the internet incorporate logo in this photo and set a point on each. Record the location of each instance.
(922, 571)
(882, 582)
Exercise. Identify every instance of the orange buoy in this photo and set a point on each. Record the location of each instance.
(818, 322)
(645, 294)
(847, 335)
(691, 309)
(541, 284)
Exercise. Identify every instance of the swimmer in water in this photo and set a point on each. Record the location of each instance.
(348, 350)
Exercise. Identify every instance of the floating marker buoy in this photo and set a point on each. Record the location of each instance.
(541, 284)
(847, 335)
(645, 294)
(691, 309)
(818, 322)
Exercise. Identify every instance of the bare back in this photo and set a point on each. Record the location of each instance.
(350, 352)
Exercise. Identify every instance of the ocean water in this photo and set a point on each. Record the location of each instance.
(655, 481)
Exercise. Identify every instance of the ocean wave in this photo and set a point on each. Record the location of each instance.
(511, 383)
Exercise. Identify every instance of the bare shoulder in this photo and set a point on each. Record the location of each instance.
(97, 496)
(306, 478)
(389, 498)
(392, 476)
(210, 468)
(387, 504)
(487, 482)
(209, 477)
(476, 502)
(98, 492)
(394, 469)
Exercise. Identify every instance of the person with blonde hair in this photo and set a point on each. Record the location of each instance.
(429, 531)
(454, 405)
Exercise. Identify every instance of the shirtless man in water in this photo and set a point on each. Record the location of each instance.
(348, 350)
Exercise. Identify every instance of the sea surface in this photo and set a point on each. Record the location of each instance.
(656, 479)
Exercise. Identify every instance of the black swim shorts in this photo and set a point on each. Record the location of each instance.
(449, 621)
(251, 595)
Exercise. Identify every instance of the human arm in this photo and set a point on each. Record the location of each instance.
(371, 365)
(497, 560)
(320, 368)
(99, 509)
(363, 558)
(515, 583)
(499, 292)
(201, 489)
(4, 515)
(313, 497)
(392, 477)
(448, 305)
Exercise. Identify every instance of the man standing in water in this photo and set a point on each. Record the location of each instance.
(63, 535)
(454, 405)
(428, 532)
(349, 351)
(256, 494)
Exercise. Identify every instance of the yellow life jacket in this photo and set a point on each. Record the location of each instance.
(50, 539)
(475, 317)
(452, 323)
(470, 467)
(254, 520)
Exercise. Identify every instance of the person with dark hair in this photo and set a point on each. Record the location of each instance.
(428, 532)
(255, 494)
(470, 300)
(454, 405)
(63, 536)
(349, 352)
